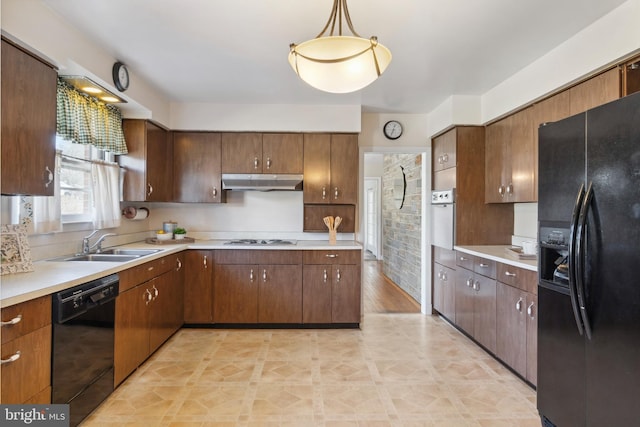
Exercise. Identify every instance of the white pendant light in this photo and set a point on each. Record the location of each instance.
(339, 64)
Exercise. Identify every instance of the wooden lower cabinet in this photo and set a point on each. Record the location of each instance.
(198, 286)
(444, 291)
(267, 290)
(146, 316)
(27, 379)
(332, 291)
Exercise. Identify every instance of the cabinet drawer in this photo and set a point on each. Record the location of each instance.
(484, 266)
(445, 257)
(31, 373)
(34, 314)
(144, 272)
(260, 256)
(332, 257)
(464, 260)
(517, 277)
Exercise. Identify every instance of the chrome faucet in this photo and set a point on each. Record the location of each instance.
(86, 248)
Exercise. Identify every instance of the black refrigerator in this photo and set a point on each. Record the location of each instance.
(589, 268)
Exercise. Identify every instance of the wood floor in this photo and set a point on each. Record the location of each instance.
(381, 295)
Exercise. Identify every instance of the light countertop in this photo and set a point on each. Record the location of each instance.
(499, 253)
(53, 276)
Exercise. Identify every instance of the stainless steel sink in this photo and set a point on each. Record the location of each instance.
(99, 257)
(137, 252)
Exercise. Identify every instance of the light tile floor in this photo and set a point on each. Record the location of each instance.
(397, 370)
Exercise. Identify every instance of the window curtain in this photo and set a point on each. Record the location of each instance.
(106, 194)
(85, 120)
(39, 214)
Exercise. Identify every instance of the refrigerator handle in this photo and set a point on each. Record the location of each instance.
(572, 258)
(580, 258)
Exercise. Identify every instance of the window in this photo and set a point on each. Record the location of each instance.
(75, 180)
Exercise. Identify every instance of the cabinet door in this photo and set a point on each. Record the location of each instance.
(344, 169)
(28, 123)
(444, 151)
(316, 294)
(280, 294)
(166, 308)
(148, 164)
(196, 165)
(198, 287)
(524, 158)
(242, 153)
(131, 334)
(484, 319)
(236, 293)
(532, 339)
(497, 160)
(464, 295)
(317, 168)
(511, 328)
(596, 91)
(282, 153)
(444, 290)
(345, 294)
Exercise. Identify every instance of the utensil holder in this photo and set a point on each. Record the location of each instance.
(332, 237)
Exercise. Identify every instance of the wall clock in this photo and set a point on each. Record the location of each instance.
(120, 76)
(392, 129)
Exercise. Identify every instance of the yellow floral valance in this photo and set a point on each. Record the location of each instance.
(85, 120)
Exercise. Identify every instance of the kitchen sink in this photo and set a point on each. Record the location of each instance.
(137, 252)
(99, 257)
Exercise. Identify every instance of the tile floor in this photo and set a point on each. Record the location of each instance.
(397, 370)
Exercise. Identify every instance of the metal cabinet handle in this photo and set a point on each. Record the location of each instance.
(149, 189)
(464, 259)
(268, 162)
(13, 321)
(204, 261)
(501, 190)
(440, 159)
(147, 297)
(483, 265)
(255, 163)
(510, 188)
(264, 275)
(155, 292)
(11, 359)
(440, 274)
(215, 192)
(324, 193)
(469, 282)
(251, 276)
(338, 275)
(476, 286)
(519, 305)
(509, 274)
(530, 310)
(331, 255)
(445, 158)
(179, 264)
(49, 176)
(325, 276)
(335, 193)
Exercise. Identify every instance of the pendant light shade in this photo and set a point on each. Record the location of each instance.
(339, 64)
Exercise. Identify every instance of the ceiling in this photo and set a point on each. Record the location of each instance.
(223, 51)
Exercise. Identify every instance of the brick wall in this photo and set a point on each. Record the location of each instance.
(401, 227)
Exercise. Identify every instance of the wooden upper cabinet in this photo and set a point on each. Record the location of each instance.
(241, 153)
(631, 77)
(596, 91)
(444, 151)
(262, 153)
(28, 123)
(497, 160)
(196, 167)
(317, 168)
(282, 153)
(344, 169)
(148, 164)
(524, 158)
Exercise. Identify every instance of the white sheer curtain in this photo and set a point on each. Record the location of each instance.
(46, 210)
(106, 195)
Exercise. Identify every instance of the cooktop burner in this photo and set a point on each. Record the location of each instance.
(260, 242)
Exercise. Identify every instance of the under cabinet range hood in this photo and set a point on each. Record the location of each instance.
(261, 182)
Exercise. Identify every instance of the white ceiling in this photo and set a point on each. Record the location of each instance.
(235, 51)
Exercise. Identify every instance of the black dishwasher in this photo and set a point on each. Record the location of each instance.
(82, 360)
